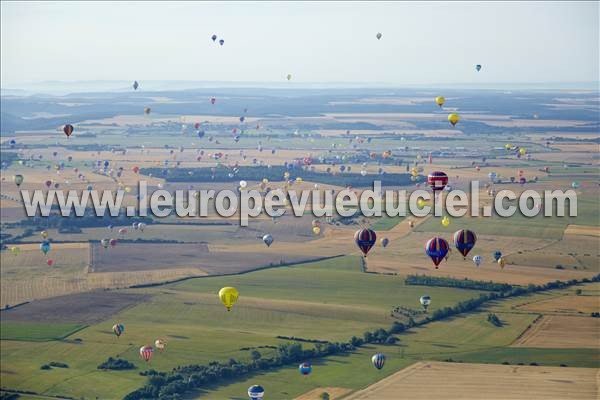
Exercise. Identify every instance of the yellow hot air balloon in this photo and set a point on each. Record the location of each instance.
(522, 151)
(501, 262)
(508, 146)
(44, 234)
(228, 296)
(316, 230)
(15, 250)
(440, 100)
(421, 203)
(453, 119)
(445, 221)
(299, 180)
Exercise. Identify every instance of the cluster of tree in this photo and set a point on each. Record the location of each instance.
(9, 396)
(116, 364)
(275, 173)
(89, 220)
(299, 339)
(257, 347)
(54, 364)
(405, 312)
(494, 320)
(424, 280)
(172, 385)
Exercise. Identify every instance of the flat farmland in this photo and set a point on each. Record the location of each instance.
(568, 304)
(558, 331)
(430, 380)
(149, 256)
(83, 308)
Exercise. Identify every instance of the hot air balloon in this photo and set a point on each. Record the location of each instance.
(477, 260)
(445, 221)
(49, 262)
(221, 42)
(316, 230)
(118, 329)
(160, 344)
(378, 36)
(213, 100)
(147, 110)
(501, 262)
(15, 250)
(228, 296)
(440, 100)
(425, 302)
(497, 255)
(18, 179)
(256, 392)
(478, 67)
(575, 185)
(305, 368)
(214, 38)
(268, 239)
(437, 180)
(365, 239)
(44, 234)
(135, 85)
(289, 77)
(68, 129)
(45, 247)
(146, 352)
(385, 242)
(135, 169)
(378, 360)
(464, 241)
(437, 249)
(453, 119)
(411, 224)
(113, 242)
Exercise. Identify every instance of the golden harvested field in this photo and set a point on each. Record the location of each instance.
(438, 380)
(568, 304)
(582, 230)
(557, 331)
(334, 393)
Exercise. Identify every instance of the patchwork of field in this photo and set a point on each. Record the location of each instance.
(556, 331)
(567, 304)
(429, 380)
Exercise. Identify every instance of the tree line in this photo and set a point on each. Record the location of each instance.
(424, 280)
(275, 173)
(174, 384)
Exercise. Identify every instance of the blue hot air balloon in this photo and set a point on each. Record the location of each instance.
(256, 392)
(378, 360)
(305, 368)
(478, 67)
(437, 248)
(464, 241)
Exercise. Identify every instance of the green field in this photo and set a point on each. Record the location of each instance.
(385, 223)
(286, 301)
(519, 225)
(24, 331)
(341, 303)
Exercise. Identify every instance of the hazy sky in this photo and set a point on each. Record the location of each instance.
(314, 41)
